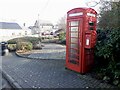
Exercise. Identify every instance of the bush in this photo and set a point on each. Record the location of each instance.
(37, 45)
(107, 54)
(12, 41)
(24, 46)
(62, 36)
(25, 39)
(34, 40)
(12, 47)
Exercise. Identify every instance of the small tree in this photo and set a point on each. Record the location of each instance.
(109, 15)
(62, 23)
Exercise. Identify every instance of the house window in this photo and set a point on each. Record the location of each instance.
(13, 33)
(25, 32)
(19, 33)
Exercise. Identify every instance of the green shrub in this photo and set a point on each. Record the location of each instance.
(12, 41)
(107, 53)
(12, 47)
(62, 36)
(34, 40)
(108, 44)
(24, 46)
(37, 45)
(25, 39)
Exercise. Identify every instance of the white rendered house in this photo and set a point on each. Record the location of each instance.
(9, 30)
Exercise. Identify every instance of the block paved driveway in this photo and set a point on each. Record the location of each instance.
(31, 73)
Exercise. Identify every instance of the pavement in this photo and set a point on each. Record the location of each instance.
(4, 84)
(41, 70)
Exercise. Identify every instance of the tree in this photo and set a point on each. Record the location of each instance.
(107, 50)
(109, 15)
(62, 23)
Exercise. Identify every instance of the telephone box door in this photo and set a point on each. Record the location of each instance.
(74, 35)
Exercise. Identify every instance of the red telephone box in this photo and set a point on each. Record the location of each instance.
(80, 39)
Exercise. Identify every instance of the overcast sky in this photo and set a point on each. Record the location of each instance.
(26, 11)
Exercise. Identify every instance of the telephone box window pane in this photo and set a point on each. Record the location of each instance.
(73, 56)
(74, 34)
(73, 61)
(74, 23)
(74, 29)
(73, 51)
(74, 46)
(74, 40)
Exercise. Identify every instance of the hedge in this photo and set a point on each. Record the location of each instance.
(107, 55)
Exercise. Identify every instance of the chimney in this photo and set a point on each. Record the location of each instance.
(24, 24)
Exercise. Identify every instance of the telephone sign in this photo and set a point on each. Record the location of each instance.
(80, 39)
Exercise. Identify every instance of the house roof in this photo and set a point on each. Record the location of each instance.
(9, 25)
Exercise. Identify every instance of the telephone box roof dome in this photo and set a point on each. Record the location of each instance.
(81, 9)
